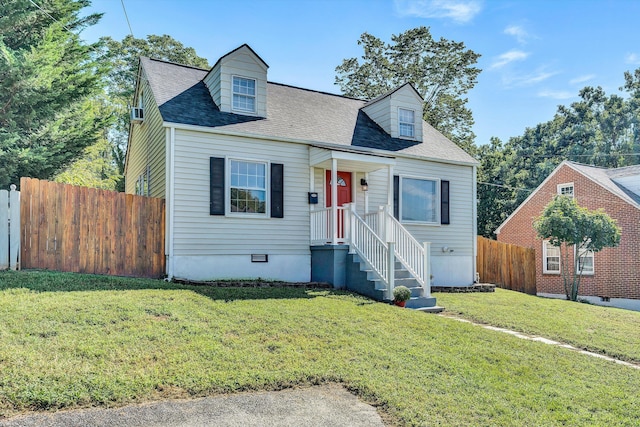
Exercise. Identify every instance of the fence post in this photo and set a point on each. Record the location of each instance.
(4, 229)
(14, 232)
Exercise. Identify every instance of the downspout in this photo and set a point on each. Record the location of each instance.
(474, 232)
(170, 175)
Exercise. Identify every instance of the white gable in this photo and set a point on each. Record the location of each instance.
(385, 111)
(243, 64)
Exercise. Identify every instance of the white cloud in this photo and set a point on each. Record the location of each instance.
(518, 32)
(556, 94)
(581, 79)
(527, 79)
(632, 58)
(508, 57)
(461, 11)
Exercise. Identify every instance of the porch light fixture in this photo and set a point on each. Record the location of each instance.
(364, 184)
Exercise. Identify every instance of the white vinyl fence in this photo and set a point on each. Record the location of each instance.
(10, 229)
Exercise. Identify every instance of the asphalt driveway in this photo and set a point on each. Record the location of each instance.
(321, 406)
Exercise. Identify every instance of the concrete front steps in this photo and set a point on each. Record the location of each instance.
(361, 279)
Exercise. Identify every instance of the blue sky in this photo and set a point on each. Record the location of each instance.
(536, 55)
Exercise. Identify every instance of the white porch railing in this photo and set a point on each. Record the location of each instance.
(379, 239)
(370, 247)
(322, 226)
(413, 255)
(10, 229)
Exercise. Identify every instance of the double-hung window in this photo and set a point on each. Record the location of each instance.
(566, 189)
(584, 261)
(419, 200)
(406, 123)
(244, 94)
(550, 258)
(248, 187)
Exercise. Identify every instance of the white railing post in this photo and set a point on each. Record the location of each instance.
(391, 267)
(427, 269)
(382, 221)
(4, 229)
(350, 229)
(14, 232)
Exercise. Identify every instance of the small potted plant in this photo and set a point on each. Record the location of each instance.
(401, 294)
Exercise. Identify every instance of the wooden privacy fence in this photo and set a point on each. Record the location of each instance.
(9, 229)
(507, 266)
(85, 230)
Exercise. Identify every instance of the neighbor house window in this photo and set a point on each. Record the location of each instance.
(566, 189)
(142, 183)
(248, 187)
(244, 94)
(406, 122)
(419, 200)
(584, 261)
(550, 258)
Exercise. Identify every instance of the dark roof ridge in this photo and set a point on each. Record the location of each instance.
(175, 63)
(317, 91)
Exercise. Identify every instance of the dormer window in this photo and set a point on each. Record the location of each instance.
(406, 123)
(244, 94)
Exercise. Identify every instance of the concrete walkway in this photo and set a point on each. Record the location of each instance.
(547, 341)
(323, 406)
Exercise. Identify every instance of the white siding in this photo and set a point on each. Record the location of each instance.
(450, 268)
(243, 63)
(196, 233)
(379, 112)
(147, 147)
(406, 98)
(212, 81)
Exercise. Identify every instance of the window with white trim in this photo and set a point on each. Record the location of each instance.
(244, 94)
(419, 200)
(248, 187)
(142, 183)
(406, 123)
(566, 189)
(550, 258)
(584, 261)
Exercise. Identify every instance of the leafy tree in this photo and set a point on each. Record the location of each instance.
(47, 79)
(122, 58)
(598, 129)
(442, 71)
(575, 230)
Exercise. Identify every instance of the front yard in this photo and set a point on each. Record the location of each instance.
(76, 340)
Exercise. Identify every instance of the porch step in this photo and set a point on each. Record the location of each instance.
(420, 303)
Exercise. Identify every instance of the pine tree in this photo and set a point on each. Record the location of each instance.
(48, 79)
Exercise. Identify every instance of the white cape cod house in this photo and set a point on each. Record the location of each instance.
(265, 180)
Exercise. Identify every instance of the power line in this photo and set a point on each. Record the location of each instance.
(127, 18)
(47, 13)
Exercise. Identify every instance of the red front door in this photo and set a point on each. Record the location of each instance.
(344, 188)
(344, 196)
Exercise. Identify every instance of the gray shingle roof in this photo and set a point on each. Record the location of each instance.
(605, 177)
(292, 113)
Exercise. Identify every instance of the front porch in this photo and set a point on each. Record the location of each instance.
(361, 249)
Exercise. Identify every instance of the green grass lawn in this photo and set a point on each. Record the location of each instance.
(76, 340)
(611, 331)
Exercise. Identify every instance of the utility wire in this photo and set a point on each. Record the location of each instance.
(127, 18)
(47, 13)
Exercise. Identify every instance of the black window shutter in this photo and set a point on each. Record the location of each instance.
(216, 202)
(277, 190)
(444, 202)
(396, 197)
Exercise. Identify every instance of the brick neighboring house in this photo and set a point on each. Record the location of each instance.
(612, 276)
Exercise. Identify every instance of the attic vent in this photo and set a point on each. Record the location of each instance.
(137, 115)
